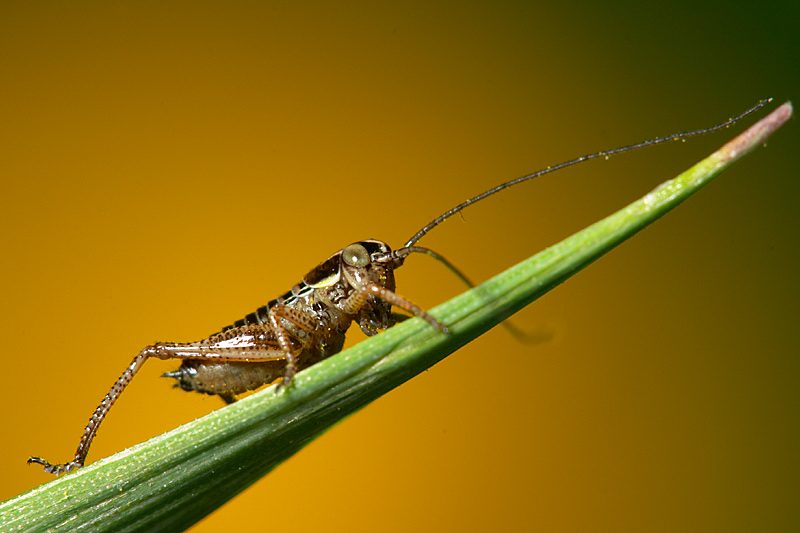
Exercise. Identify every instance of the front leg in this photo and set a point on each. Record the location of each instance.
(353, 303)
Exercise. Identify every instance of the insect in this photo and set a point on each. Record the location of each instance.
(309, 322)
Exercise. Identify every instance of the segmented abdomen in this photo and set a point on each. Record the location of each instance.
(226, 378)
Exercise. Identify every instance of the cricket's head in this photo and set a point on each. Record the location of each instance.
(356, 265)
(340, 280)
(359, 281)
(370, 261)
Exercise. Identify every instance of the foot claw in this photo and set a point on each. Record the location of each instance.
(55, 469)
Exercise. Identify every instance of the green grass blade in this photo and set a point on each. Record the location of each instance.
(170, 482)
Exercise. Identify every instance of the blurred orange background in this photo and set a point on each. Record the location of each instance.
(169, 168)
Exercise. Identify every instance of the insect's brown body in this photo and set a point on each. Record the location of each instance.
(323, 306)
(293, 332)
(308, 323)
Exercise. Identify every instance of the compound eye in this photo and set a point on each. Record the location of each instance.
(355, 255)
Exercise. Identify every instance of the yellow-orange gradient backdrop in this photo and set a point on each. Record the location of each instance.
(167, 169)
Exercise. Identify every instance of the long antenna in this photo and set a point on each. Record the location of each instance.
(658, 140)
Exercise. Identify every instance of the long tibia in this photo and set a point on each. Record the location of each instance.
(98, 416)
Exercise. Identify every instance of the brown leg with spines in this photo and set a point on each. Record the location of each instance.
(250, 348)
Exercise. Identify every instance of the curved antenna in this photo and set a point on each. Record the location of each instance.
(606, 153)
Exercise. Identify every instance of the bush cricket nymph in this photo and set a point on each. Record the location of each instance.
(308, 323)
